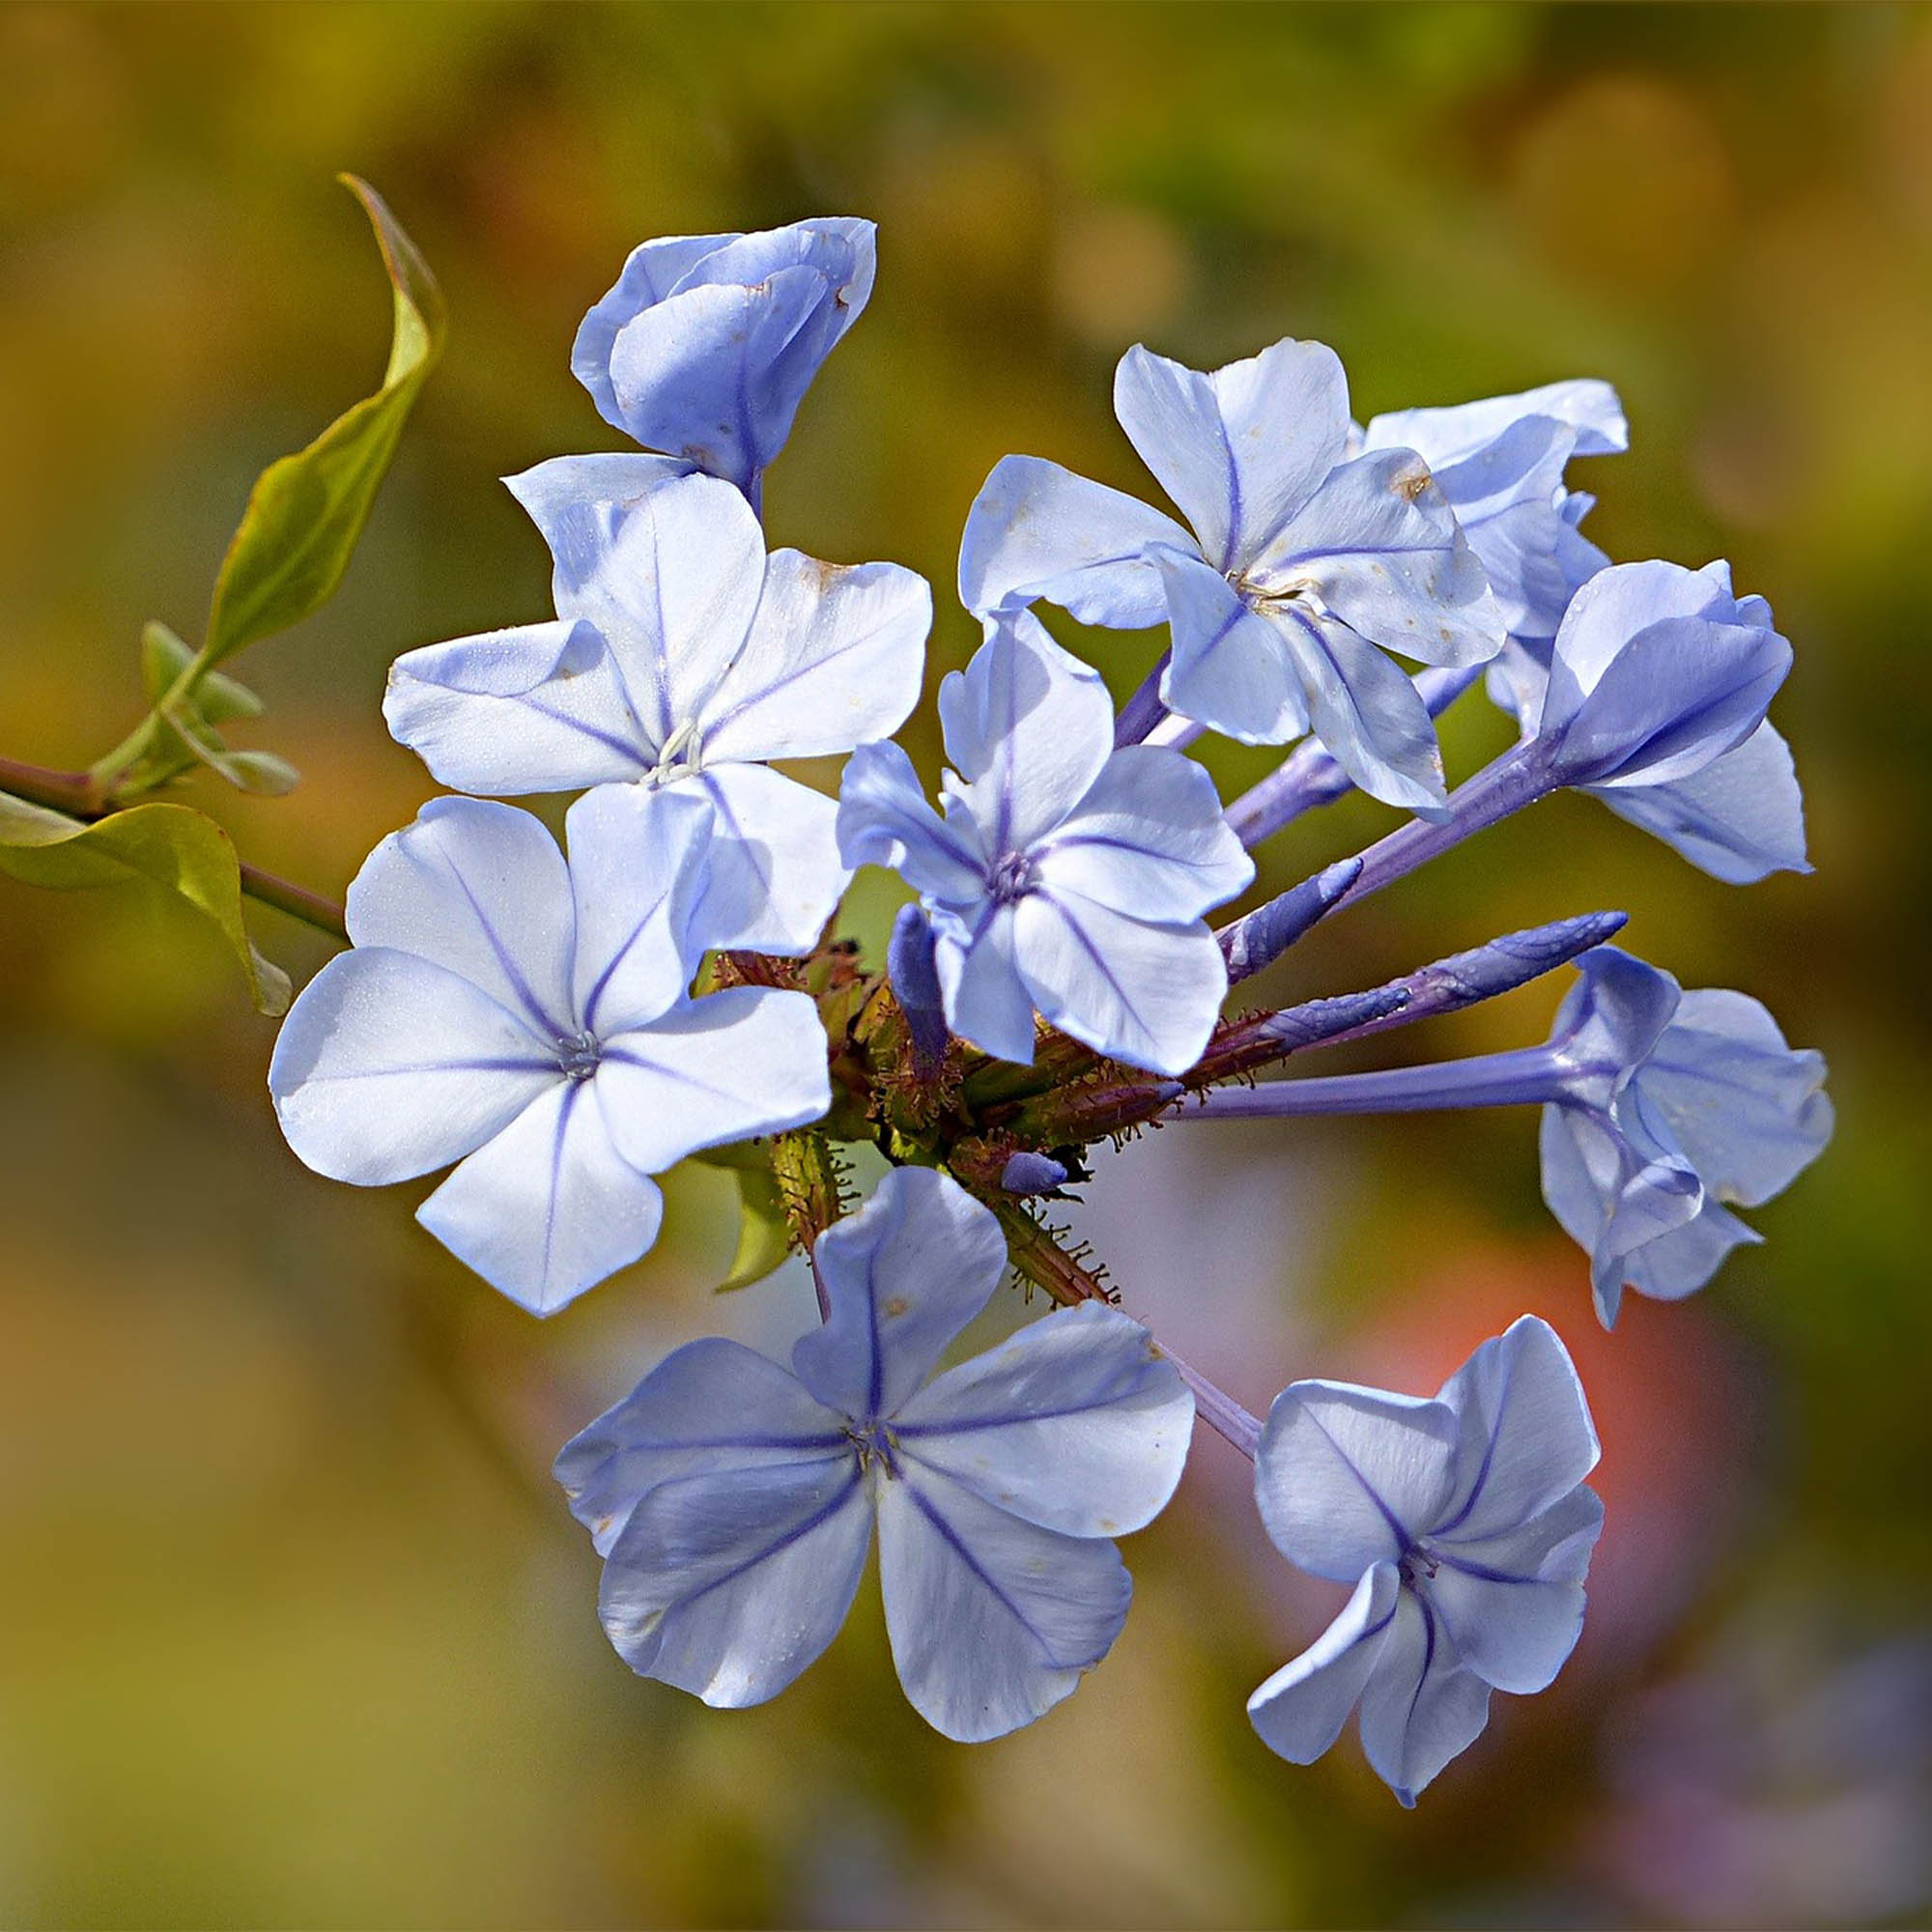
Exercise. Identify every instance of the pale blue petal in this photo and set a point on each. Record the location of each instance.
(1241, 449)
(1570, 1190)
(773, 875)
(1505, 497)
(388, 1066)
(729, 1583)
(1660, 1191)
(885, 819)
(1517, 679)
(1613, 1194)
(803, 286)
(540, 707)
(1301, 1710)
(1029, 726)
(546, 1209)
(1448, 434)
(713, 1403)
(1347, 1477)
(578, 501)
(1526, 1436)
(673, 594)
(1078, 1424)
(1421, 1708)
(730, 1067)
(904, 1275)
(1366, 712)
(993, 1621)
(1038, 531)
(1618, 603)
(481, 888)
(834, 659)
(650, 273)
(987, 1001)
(1514, 1604)
(1679, 694)
(1740, 818)
(688, 375)
(1681, 1260)
(1148, 839)
(1612, 1018)
(1144, 992)
(1748, 1111)
(1380, 547)
(1231, 668)
(637, 867)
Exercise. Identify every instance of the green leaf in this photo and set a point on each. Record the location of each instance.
(307, 511)
(257, 772)
(216, 697)
(169, 845)
(763, 1240)
(164, 658)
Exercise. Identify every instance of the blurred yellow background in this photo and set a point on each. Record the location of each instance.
(296, 1628)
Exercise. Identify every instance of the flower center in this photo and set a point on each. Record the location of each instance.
(1417, 1567)
(875, 1440)
(577, 1055)
(1303, 592)
(681, 756)
(1013, 878)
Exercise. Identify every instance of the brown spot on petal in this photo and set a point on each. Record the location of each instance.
(1411, 482)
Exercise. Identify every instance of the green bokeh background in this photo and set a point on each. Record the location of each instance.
(296, 1629)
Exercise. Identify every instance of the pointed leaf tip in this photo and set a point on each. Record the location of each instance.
(307, 510)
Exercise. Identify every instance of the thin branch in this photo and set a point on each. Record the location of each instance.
(297, 901)
(72, 794)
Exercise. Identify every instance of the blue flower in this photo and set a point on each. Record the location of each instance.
(1676, 1106)
(1500, 462)
(1740, 816)
(1464, 1526)
(1301, 568)
(733, 1502)
(683, 655)
(706, 345)
(529, 1020)
(1065, 874)
(1656, 672)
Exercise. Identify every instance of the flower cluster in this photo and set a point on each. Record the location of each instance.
(565, 1029)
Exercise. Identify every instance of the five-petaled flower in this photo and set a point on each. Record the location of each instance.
(1065, 874)
(1303, 565)
(683, 655)
(733, 1501)
(1463, 1524)
(1674, 1105)
(532, 1021)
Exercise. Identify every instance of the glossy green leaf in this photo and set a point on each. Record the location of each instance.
(307, 511)
(763, 1240)
(170, 845)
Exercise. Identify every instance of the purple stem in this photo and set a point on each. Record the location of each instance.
(1144, 710)
(1525, 1076)
(1218, 1410)
(1518, 778)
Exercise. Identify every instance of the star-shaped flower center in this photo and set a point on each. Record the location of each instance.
(1012, 877)
(577, 1055)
